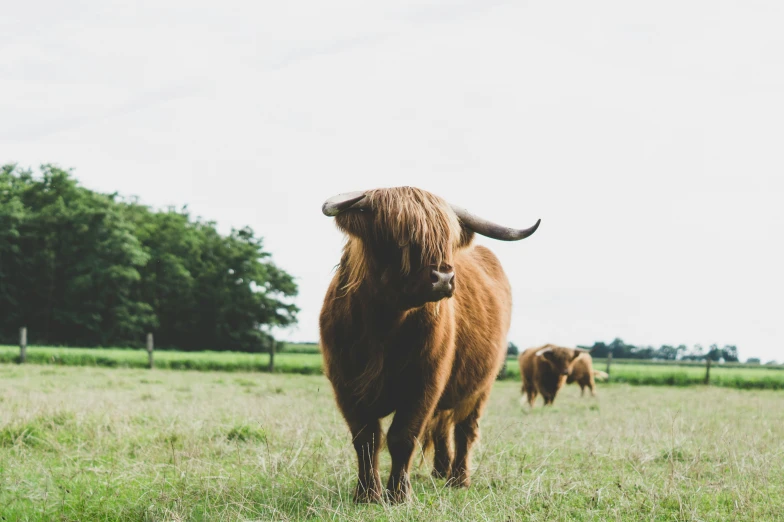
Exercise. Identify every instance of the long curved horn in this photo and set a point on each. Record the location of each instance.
(543, 351)
(337, 204)
(490, 229)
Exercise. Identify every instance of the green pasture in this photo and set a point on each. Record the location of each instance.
(116, 444)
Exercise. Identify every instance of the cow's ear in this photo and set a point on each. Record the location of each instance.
(466, 237)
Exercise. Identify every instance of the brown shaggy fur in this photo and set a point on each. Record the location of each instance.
(583, 374)
(545, 373)
(431, 363)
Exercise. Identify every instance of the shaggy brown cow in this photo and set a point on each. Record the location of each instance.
(414, 322)
(583, 374)
(545, 369)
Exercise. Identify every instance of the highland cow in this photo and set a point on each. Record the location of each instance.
(583, 374)
(414, 322)
(544, 370)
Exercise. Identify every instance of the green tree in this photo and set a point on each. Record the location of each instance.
(82, 268)
(12, 217)
(730, 353)
(79, 262)
(669, 353)
(599, 350)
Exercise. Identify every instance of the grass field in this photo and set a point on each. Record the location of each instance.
(305, 359)
(85, 443)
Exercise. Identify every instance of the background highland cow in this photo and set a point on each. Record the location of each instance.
(544, 370)
(583, 374)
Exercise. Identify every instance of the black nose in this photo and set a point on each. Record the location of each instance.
(443, 280)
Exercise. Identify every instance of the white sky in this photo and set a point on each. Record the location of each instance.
(649, 137)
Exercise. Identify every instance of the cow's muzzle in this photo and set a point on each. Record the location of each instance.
(442, 282)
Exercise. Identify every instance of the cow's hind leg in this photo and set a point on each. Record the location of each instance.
(367, 441)
(466, 434)
(531, 392)
(441, 433)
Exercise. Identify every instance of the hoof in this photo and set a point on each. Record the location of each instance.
(439, 474)
(459, 481)
(367, 496)
(397, 497)
(398, 490)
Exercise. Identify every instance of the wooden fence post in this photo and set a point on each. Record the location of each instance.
(609, 360)
(149, 350)
(273, 346)
(707, 370)
(22, 344)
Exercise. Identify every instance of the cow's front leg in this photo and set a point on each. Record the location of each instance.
(402, 438)
(366, 436)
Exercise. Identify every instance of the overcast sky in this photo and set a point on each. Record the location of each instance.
(648, 137)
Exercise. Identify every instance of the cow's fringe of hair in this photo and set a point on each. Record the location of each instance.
(412, 215)
(406, 216)
(354, 266)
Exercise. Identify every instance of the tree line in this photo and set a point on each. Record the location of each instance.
(83, 268)
(621, 350)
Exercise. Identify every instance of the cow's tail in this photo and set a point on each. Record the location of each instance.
(600, 374)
